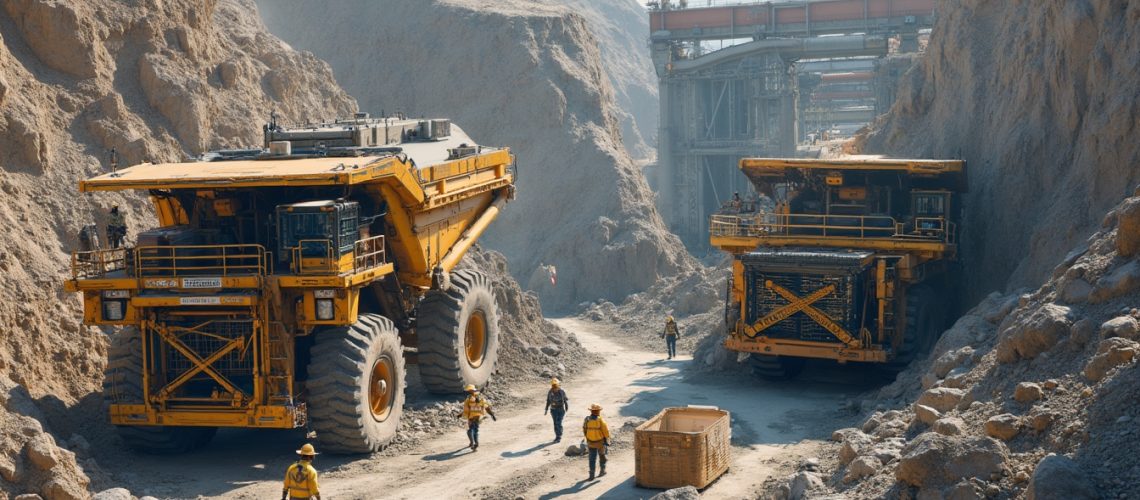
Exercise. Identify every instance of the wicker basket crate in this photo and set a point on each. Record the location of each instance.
(682, 447)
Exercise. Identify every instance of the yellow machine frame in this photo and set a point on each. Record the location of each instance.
(435, 213)
(901, 254)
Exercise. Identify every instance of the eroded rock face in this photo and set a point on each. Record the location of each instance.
(933, 459)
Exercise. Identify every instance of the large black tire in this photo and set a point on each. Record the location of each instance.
(349, 407)
(925, 319)
(776, 368)
(122, 384)
(458, 332)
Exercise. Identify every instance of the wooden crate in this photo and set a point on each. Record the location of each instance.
(683, 447)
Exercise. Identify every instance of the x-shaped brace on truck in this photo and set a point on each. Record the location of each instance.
(200, 365)
(797, 304)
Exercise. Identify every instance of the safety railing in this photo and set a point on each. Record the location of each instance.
(97, 263)
(320, 256)
(830, 225)
(368, 254)
(314, 257)
(197, 260)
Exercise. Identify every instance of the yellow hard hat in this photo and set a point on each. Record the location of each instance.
(307, 449)
(595, 407)
(554, 381)
(670, 318)
(469, 387)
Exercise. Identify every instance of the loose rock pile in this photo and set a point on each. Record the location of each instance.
(1027, 394)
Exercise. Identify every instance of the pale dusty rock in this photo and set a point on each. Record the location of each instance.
(872, 422)
(1076, 291)
(951, 360)
(949, 426)
(1111, 352)
(942, 399)
(1031, 336)
(929, 380)
(1059, 478)
(1005, 426)
(1027, 392)
(862, 467)
(803, 483)
(1120, 326)
(28, 496)
(933, 459)
(113, 494)
(854, 444)
(41, 452)
(926, 414)
(956, 379)
(1122, 280)
(1051, 384)
(683, 493)
(1128, 228)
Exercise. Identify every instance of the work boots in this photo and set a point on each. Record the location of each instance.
(602, 472)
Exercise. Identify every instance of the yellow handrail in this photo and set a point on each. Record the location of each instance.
(369, 253)
(299, 266)
(850, 226)
(97, 263)
(223, 260)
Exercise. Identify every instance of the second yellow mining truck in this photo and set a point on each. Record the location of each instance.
(848, 259)
(287, 286)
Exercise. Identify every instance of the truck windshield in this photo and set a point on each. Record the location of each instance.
(307, 226)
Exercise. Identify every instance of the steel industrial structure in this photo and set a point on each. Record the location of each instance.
(719, 106)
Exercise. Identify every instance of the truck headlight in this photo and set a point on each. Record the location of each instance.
(324, 309)
(113, 310)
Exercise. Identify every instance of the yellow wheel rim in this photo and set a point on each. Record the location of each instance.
(475, 339)
(382, 388)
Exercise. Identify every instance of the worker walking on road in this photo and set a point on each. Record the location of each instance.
(301, 477)
(597, 438)
(670, 334)
(475, 407)
(116, 228)
(556, 404)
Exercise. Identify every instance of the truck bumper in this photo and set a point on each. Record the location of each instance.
(261, 417)
(803, 349)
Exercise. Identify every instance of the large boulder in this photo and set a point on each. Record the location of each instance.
(682, 493)
(862, 467)
(1039, 332)
(1121, 326)
(1059, 478)
(926, 414)
(933, 460)
(942, 399)
(951, 360)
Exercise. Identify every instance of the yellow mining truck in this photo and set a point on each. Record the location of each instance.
(287, 286)
(848, 259)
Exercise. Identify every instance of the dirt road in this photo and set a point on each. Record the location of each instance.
(773, 424)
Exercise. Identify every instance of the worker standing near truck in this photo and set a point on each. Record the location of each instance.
(116, 228)
(556, 405)
(475, 407)
(597, 438)
(301, 477)
(670, 334)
